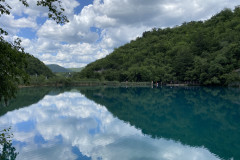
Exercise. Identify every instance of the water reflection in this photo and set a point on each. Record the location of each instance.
(196, 116)
(70, 126)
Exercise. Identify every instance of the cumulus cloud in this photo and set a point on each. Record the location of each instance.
(75, 55)
(56, 124)
(102, 26)
(74, 32)
(12, 25)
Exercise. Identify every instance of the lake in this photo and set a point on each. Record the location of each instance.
(138, 123)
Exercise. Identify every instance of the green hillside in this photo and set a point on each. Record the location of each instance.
(37, 67)
(57, 69)
(202, 52)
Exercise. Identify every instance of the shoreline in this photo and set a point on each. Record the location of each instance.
(106, 83)
(115, 83)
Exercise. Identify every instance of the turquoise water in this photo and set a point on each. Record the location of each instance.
(103, 123)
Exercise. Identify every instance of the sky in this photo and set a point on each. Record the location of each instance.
(96, 27)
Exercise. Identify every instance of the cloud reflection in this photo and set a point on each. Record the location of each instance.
(69, 126)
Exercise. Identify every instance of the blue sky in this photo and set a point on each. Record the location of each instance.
(83, 3)
(96, 27)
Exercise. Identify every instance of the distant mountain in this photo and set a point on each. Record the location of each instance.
(57, 69)
(76, 69)
(37, 67)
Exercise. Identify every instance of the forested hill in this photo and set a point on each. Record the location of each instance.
(205, 52)
(36, 67)
(57, 69)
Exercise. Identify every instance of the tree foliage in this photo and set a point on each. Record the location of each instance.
(12, 67)
(58, 69)
(35, 67)
(203, 52)
(16, 67)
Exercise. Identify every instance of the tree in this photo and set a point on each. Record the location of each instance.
(12, 64)
(13, 57)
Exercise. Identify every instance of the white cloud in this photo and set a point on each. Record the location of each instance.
(75, 54)
(13, 26)
(117, 23)
(76, 31)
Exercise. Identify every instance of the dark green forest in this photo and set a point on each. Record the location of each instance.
(203, 52)
(12, 68)
(35, 67)
(57, 69)
(17, 68)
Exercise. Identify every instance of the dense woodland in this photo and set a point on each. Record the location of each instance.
(57, 69)
(206, 53)
(12, 68)
(35, 67)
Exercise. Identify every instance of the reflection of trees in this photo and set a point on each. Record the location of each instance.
(28, 96)
(24, 97)
(195, 116)
(7, 151)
